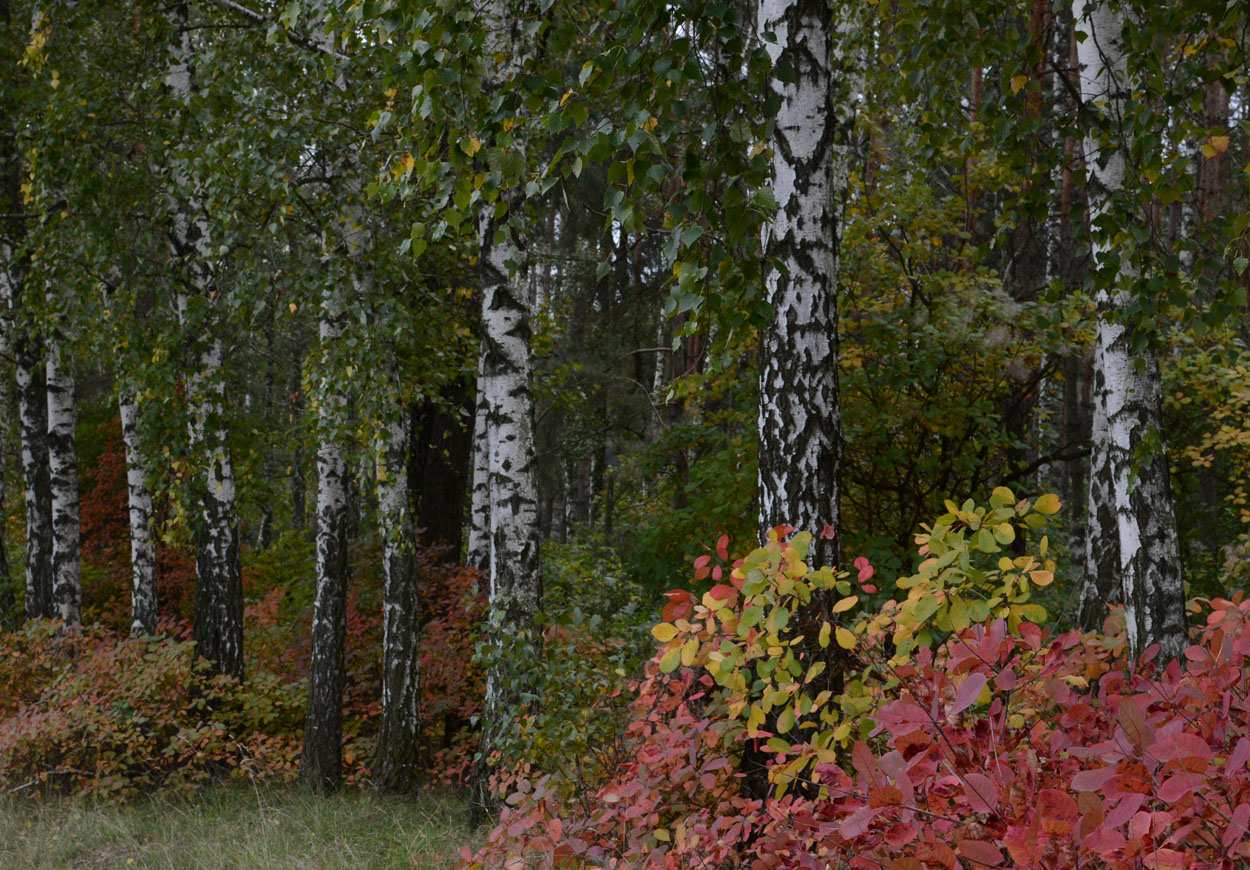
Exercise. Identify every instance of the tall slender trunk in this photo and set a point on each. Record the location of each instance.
(63, 479)
(218, 629)
(1132, 555)
(321, 763)
(142, 543)
(398, 763)
(32, 398)
(799, 419)
(507, 386)
(8, 594)
(477, 554)
(32, 401)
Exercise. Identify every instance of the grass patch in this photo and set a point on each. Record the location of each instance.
(238, 827)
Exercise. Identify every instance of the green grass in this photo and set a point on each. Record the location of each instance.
(237, 828)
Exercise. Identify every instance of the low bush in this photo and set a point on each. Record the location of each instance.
(963, 734)
(96, 713)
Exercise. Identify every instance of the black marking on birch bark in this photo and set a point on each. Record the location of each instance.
(63, 480)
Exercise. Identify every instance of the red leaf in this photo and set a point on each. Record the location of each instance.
(968, 692)
(981, 793)
(980, 852)
(1005, 680)
(1093, 780)
(857, 822)
(1058, 811)
(1134, 723)
(828, 533)
(1237, 827)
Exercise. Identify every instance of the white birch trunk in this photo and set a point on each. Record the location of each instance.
(398, 766)
(142, 543)
(321, 762)
(478, 548)
(506, 384)
(799, 419)
(63, 467)
(1132, 555)
(8, 594)
(218, 630)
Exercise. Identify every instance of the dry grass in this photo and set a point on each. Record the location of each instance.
(237, 828)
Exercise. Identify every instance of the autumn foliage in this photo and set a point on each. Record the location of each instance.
(997, 743)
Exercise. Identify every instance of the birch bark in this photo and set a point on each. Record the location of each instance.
(1132, 556)
(142, 544)
(398, 765)
(506, 386)
(321, 762)
(218, 630)
(799, 419)
(478, 550)
(63, 479)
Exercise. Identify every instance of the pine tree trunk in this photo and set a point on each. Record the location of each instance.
(1132, 555)
(398, 763)
(321, 763)
(142, 544)
(63, 479)
(799, 419)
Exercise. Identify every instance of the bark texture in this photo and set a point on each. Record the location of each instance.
(23, 343)
(1132, 556)
(142, 544)
(398, 764)
(8, 594)
(799, 421)
(218, 630)
(506, 385)
(63, 479)
(321, 762)
(478, 552)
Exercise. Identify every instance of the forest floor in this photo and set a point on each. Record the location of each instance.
(237, 827)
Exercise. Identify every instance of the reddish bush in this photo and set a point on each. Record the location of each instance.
(994, 749)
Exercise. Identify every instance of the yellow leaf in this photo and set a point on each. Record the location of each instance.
(1018, 83)
(651, 123)
(824, 635)
(845, 604)
(688, 651)
(661, 835)
(409, 161)
(1219, 143)
(664, 632)
(1042, 578)
(1208, 150)
(1048, 504)
(846, 640)
(1004, 533)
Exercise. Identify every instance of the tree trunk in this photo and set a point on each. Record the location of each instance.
(8, 594)
(477, 554)
(398, 763)
(799, 420)
(218, 630)
(321, 763)
(32, 398)
(1132, 555)
(142, 544)
(63, 479)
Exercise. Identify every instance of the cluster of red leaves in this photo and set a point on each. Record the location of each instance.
(453, 605)
(94, 712)
(105, 517)
(999, 750)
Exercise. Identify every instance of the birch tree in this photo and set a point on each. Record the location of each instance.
(799, 419)
(63, 478)
(218, 630)
(506, 388)
(1132, 556)
(24, 344)
(139, 501)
